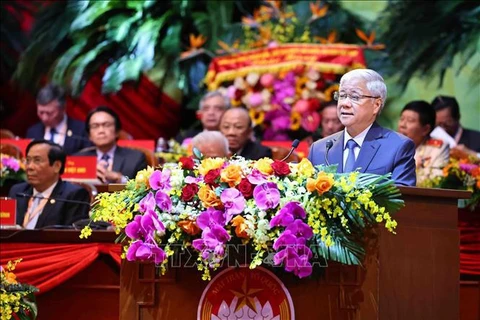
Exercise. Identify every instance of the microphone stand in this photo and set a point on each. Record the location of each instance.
(295, 144)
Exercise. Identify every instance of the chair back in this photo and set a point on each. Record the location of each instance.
(6, 134)
(278, 153)
(11, 150)
(92, 190)
(150, 157)
(124, 135)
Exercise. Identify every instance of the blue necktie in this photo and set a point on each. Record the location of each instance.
(349, 165)
(52, 134)
(105, 158)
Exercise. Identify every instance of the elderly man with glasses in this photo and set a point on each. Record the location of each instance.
(364, 145)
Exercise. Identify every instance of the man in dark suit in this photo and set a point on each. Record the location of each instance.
(448, 117)
(212, 106)
(55, 125)
(236, 126)
(45, 163)
(114, 163)
(363, 144)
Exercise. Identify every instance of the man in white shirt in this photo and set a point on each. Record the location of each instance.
(45, 200)
(364, 145)
(54, 123)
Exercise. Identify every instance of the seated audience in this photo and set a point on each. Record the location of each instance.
(417, 121)
(211, 144)
(448, 117)
(54, 123)
(45, 200)
(330, 122)
(236, 126)
(114, 163)
(212, 106)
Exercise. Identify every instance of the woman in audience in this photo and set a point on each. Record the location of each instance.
(417, 121)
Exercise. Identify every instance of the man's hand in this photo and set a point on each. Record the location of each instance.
(106, 175)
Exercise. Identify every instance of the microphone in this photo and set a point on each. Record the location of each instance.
(52, 200)
(328, 146)
(295, 144)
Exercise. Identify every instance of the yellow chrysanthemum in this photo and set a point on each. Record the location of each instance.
(295, 120)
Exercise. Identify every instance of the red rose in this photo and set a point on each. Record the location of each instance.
(246, 188)
(280, 168)
(187, 163)
(211, 176)
(188, 192)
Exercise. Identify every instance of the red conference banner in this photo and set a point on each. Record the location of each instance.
(336, 58)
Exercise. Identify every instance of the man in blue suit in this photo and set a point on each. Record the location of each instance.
(363, 144)
(55, 125)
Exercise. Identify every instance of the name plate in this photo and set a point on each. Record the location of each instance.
(21, 144)
(8, 212)
(148, 144)
(80, 168)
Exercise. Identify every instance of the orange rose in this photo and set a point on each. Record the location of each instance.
(478, 184)
(241, 226)
(10, 277)
(322, 184)
(189, 227)
(208, 197)
(231, 175)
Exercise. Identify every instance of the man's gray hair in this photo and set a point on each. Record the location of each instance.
(210, 137)
(212, 94)
(374, 82)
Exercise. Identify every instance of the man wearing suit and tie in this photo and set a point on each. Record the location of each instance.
(114, 163)
(363, 144)
(55, 125)
(45, 163)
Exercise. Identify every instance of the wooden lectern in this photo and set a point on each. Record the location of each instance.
(411, 275)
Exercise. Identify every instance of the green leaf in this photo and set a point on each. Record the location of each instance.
(120, 71)
(95, 10)
(65, 61)
(119, 26)
(83, 63)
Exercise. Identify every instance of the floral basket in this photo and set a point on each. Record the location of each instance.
(287, 211)
(460, 174)
(17, 301)
(11, 168)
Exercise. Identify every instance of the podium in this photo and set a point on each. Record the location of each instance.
(411, 275)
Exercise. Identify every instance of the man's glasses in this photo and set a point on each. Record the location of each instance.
(95, 126)
(354, 97)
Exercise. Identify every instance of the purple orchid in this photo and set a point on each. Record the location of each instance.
(233, 201)
(144, 226)
(190, 179)
(287, 214)
(133, 229)
(300, 266)
(467, 167)
(160, 180)
(287, 238)
(210, 217)
(163, 201)
(300, 229)
(146, 251)
(256, 177)
(266, 195)
(11, 163)
(147, 203)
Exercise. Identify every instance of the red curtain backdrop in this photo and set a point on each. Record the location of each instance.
(469, 226)
(49, 265)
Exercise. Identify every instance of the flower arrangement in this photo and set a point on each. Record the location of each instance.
(11, 169)
(460, 174)
(285, 102)
(175, 151)
(291, 211)
(16, 300)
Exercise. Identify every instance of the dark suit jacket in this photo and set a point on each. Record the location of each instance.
(58, 213)
(383, 151)
(190, 133)
(471, 139)
(125, 160)
(254, 151)
(76, 142)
